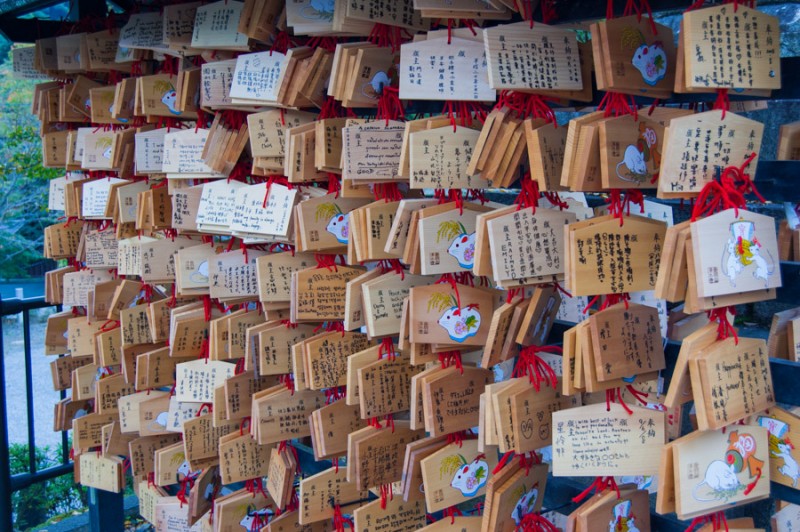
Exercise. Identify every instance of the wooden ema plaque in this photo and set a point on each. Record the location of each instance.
(734, 252)
(455, 474)
(420, 64)
(591, 441)
(320, 492)
(631, 148)
(627, 341)
(530, 59)
(715, 470)
(399, 516)
(606, 258)
(377, 454)
(528, 244)
(638, 56)
(731, 48)
(731, 380)
(451, 399)
(783, 428)
(436, 317)
(697, 146)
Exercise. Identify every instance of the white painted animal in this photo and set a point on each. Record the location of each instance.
(379, 81)
(339, 226)
(461, 325)
(762, 269)
(651, 62)
(732, 267)
(471, 477)
(634, 161)
(169, 98)
(719, 478)
(789, 467)
(463, 249)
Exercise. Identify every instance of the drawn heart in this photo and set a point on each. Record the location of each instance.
(527, 428)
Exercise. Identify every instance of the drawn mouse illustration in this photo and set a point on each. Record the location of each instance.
(459, 322)
(742, 250)
(781, 447)
(623, 519)
(462, 245)
(649, 59)
(338, 222)
(635, 162)
(468, 478)
(168, 95)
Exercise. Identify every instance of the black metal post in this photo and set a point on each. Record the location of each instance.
(6, 515)
(26, 335)
(106, 511)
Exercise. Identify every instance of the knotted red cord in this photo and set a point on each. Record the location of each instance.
(528, 196)
(451, 512)
(339, 520)
(717, 521)
(385, 36)
(531, 364)
(535, 522)
(619, 202)
(387, 192)
(724, 328)
(727, 192)
(389, 105)
(526, 105)
(609, 300)
(451, 358)
(386, 494)
(387, 348)
(255, 486)
(281, 43)
(599, 485)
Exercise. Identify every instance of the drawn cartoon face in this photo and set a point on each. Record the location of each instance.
(339, 226)
(623, 519)
(525, 505)
(651, 62)
(463, 249)
(169, 98)
(471, 477)
(461, 325)
(200, 275)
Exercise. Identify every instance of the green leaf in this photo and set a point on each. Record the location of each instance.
(471, 322)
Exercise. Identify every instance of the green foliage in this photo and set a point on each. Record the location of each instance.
(35, 504)
(23, 180)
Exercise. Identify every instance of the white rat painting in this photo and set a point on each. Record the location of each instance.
(739, 470)
(743, 251)
(780, 447)
(168, 95)
(649, 59)
(623, 519)
(468, 477)
(462, 245)
(459, 322)
(338, 223)
(634, 164)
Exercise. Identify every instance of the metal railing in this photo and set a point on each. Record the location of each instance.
(111, 518)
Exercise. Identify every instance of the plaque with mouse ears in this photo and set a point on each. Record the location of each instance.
(715, 470)
(456, 473)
